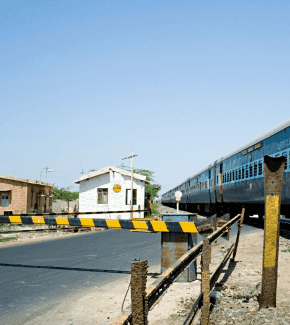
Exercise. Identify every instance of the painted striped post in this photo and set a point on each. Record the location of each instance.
(273, 178)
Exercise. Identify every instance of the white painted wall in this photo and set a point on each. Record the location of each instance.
(88, 198)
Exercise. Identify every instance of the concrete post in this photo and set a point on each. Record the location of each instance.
(138, 294)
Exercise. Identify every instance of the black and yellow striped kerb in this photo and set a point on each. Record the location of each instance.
(157, 226)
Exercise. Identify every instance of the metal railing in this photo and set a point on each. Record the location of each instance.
(154, 291)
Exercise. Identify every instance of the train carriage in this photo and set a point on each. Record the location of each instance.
(237, 179)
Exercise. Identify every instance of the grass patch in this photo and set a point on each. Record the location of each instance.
(2, 240)
(154, 211)
(285, 250)
(5, 226)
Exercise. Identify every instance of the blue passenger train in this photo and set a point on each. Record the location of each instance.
(237, 179)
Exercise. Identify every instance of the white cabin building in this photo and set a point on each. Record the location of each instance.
(109, 189)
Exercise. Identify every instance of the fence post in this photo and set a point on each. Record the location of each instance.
(238, 234)
(273, 171)
(138, 286)
(205, 282)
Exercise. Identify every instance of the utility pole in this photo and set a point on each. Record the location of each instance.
(47, 169)
(131, 181)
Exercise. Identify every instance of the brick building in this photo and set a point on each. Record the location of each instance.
(21, 195)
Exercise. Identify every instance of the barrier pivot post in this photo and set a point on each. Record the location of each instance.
(138, 295)
(273, 179)
(205, 282)
(174, 245)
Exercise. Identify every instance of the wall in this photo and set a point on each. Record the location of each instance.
(40, 195)
(88, 200)
(58, 205)
(18, 196)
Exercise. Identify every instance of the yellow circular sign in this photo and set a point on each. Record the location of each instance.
(117, 188)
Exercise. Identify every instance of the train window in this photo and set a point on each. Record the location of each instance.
(240, 173)
(233, 175)
(227, 177)
(247, 171)
(255, 169)
(285, 155)
(243, 172)
(251, 170)
(260, 167)
(236, 172)
(217, 180)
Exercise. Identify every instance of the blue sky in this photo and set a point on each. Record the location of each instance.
(181, 83)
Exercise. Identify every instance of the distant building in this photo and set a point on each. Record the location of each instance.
(109, 189)
(21, 195)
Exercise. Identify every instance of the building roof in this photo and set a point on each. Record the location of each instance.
(25, 180)
(114, 169)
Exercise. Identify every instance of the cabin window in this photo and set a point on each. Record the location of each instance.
(4, 200)
(240, 173)
(236, 172)
(251, 170)
(285, 155)
(129, 197)
(243, 172)
(247, 171)
(255, 169)
(233, 176)
(102, 196)
(260, 167)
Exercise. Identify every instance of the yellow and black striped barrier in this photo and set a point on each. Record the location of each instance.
(144, 226)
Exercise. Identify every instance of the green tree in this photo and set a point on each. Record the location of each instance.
(64, 194)
(151, 189)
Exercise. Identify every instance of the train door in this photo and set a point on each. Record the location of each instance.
(221, 181)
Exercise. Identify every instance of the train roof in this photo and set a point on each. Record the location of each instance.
(260, 138)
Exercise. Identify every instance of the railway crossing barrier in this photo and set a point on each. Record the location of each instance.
(151, 226)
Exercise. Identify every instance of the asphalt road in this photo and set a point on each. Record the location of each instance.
(26, 291)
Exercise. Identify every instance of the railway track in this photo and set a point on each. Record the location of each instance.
(284, 225)
(66, 229)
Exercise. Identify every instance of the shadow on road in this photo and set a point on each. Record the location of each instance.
(71, 269)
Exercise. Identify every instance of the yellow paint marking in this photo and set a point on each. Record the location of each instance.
(220, 227)
(271, 228)
(62, 221)
(140, 225)
(111, 223)
(38, 220)
(159, 226)
(188, 226)
(86, 222)
(15, 219)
